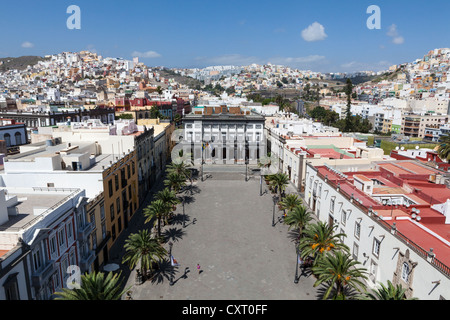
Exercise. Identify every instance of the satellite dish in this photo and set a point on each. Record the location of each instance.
(403, 148)
(417, 147)
(397, 148)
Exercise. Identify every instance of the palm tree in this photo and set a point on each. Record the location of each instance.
(179, 167)
(290, 202)
(169, 198)
(340, 273)
(319, 238)
(279, 181)
(298, 218)
(389, 292)
(175, 181)
(159, 90)
(94, 286)
(141, 247)
(444, 148)
(156, 211)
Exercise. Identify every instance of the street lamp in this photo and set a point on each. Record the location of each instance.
(170, 255)
(296, 264)
(275, 200)
(260, 183)
(184, 215)
(246, 169)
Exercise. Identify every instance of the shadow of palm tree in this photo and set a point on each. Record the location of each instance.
(349, 292)
(164, 271)
(195, 190)
(173, 234)
(178, 219)
(293, 235)
(188, 199)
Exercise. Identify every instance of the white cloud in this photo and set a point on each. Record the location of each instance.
(315, 32)
(147, 54)
(27, 44)
(396, 37)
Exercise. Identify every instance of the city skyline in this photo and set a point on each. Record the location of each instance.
(322, 37)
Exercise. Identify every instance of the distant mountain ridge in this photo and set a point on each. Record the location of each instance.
(19, 63)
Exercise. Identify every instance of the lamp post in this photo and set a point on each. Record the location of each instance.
(296, 264)
(184, 215)
(170, 255)
(275, 199)
(260, 183)
(246, 170)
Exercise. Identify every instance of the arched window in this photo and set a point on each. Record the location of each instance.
(18, 138)
(405, 272)
(7, 138)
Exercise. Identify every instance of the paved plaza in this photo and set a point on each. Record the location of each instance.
(229, 233)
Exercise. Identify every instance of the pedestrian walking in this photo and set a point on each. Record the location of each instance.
(198, 268)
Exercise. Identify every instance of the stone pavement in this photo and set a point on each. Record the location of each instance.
(242, 257)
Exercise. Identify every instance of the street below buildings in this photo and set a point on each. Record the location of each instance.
(228, 232)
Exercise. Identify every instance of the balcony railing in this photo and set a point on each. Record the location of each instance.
(85, 231)
(40, 277)
(86, 261)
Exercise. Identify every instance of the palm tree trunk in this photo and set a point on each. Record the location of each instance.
(159, 227)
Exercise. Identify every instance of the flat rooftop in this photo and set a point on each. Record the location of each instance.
(27, 203)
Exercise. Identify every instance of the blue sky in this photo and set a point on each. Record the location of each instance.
(325, 36)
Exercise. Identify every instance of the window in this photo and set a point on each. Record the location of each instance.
(102, 212)
(357, 230)
(37, 259)
(57, 279)
(94, 240)
(344, 217)
(18, 137)
(133, 167)
(355, 251)
(73, 260)
(50, 185)
(111, 211)
(52, 245)
(62, 237)
(332, 204)
(118, 204)
(7, 138)
(92, 218)
(70, 231)
(103, 230)
(116, 182)
(11, 288)
(64, 266)
(373, 270)
(405, 272)
(110, 188)
(376, 247)
(113, 232)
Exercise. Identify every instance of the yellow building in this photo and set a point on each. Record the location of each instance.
(120, 195)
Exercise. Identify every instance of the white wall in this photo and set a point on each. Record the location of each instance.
(90, 181)
(423, 274)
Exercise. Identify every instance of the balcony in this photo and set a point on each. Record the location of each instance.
(87, 260)
(40, 277)
(85, 231)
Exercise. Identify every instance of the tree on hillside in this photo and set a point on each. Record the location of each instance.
(348, 112)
